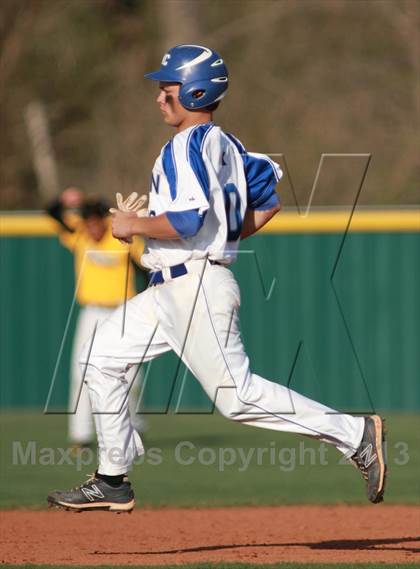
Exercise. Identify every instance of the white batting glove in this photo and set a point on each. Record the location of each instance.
(133, 204)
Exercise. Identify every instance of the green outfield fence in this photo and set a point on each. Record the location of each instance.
(330, 305)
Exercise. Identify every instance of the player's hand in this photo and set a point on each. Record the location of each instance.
(132, 204)
(122, 225)
(71, 197)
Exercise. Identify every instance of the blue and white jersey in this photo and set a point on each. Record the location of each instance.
(204, 180)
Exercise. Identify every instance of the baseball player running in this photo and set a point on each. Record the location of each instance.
(207, 193)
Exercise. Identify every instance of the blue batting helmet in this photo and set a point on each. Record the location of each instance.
(200, 71)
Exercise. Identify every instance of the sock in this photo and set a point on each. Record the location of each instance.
(111, 480)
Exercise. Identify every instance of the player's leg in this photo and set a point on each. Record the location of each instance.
(80, 422)
(214, 352)
(209, 342)
(81, 425)
(127, 338)
(135, 378)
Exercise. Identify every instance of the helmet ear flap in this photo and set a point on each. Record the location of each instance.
(200, 94)
(190, 95)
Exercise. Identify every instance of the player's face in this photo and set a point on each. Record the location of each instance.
(173, 112)
(96, 227)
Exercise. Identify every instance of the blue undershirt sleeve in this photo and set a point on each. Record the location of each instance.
(261, 180)
(186, 223)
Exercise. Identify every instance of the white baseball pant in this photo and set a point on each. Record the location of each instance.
(196, 315)
(80, 424)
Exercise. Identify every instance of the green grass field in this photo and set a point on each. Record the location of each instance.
(291, 469)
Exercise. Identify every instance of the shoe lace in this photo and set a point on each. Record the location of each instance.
(90, 478)
(359, 464)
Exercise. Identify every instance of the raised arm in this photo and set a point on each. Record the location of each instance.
(55, 209)
(70, 198)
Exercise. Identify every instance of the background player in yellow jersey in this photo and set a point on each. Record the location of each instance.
(101, 264)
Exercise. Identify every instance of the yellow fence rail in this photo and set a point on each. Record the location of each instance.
(326, 221)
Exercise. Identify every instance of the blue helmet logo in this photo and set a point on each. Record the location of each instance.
(200, 71)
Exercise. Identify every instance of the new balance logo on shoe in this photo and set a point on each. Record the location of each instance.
(95, 494)
(370, 458)
(368, 455)
(92, 492)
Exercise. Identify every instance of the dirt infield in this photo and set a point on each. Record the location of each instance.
(254, 535)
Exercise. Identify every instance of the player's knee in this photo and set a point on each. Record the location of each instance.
(93, 365)
(233, 405)
(91, 350)
(229, 414)
(229, 407)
